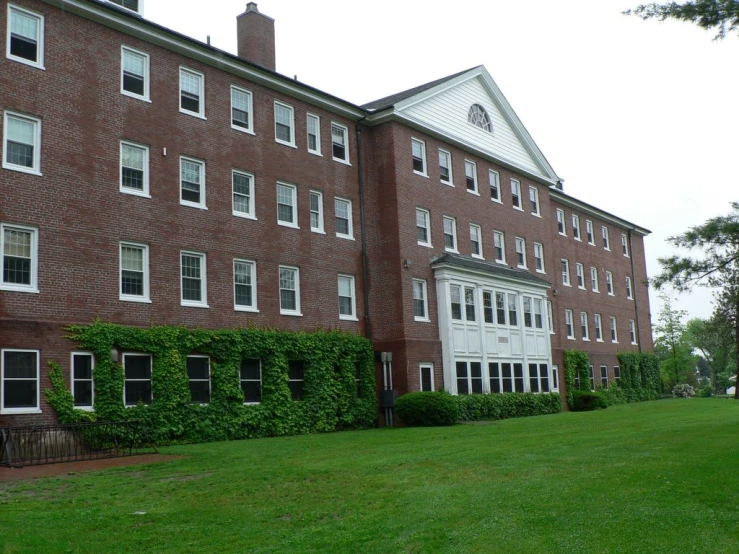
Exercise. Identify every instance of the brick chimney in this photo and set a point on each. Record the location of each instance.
(255, 34)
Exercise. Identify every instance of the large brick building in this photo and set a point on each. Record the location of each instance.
(148, 178)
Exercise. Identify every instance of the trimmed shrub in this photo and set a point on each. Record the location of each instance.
(427, 409)
(476, 407)
(614, 395)
(705, 391)
(683, 390)
(585, 401)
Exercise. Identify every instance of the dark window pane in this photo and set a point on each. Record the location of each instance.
(190, 102)
(533, 378)
(342, 226)
(190, 192)
(133, 83)
(20, 394)
(340, 152)
(417, 162)
(296, 389)
(137, 367)
(191, 289)
(285, 213)
(83, 393)
(82, 366)
(250, 369)
(198, 368)
(243, 295)
(138, 391)
(200, 392)
(240, 118)
(426, 378)
(132, 282)
(444, 173)
(21, 365)
(312, 142)
(19, 154)
(283, 132)
(518, 373)
(16, 270)
(296, 369)
(252, 391)
(22, 47)
(132, 178)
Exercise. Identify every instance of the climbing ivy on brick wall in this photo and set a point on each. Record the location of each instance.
(576, 364)
(640, 379)
(337, 395)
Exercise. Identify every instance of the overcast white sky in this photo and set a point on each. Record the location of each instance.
(639, 118)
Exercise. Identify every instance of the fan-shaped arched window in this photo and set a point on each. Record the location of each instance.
(479, 118)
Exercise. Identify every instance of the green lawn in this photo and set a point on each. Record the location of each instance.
(651, 477)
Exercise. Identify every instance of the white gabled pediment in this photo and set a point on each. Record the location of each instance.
(443, 109)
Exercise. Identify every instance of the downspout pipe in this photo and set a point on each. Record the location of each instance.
(363, 227)
(633, 291)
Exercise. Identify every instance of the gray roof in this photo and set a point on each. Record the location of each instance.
(489, 267)
(393, 99)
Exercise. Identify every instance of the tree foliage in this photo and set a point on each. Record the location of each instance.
(677, 362)
(714, 339)
(719, 15)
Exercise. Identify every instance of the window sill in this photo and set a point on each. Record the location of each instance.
(245, 216)
(581, 288)
(536, 215)
(290, 225)
(541, 271)
(29, 63)
(348, 318)
(345, 237)
(315, 153)
(135, 96)
(585, 340)
(473, 192)
(562, 234)
(16, 288)
(193, 114)
(293, 314)
(477, 256)
(519, 208)
(451, 251)
(135, 193)
(284, 143)
(22, 169)
(448, 184)
(242, 130)
(570, 338)
(591, 243)
(420, 174)
(425, 244)
(634, 344)
(186, 304)
(577, 239)
(566, 285)
(345, 162)
(598, 340)
(611, 294)
(501, 262)
(246, 309)
(18, 411)
(134, 299)
(422, 319)
(519, 266)
(85, 408)
(496, 200)
(193, 205)
(252, 403)
(318, 231)
(606, 249)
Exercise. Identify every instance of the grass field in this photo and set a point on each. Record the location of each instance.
(651, 477)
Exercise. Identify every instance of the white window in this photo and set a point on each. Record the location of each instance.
(609, 283)
(513, 310)
(445, 167)
(617, 373)
(427, 377)
(241, 110)
(478, 117)
(614, 330)
(423, 227)
(569, 326)
(488, 314)
(565, 272)
(314, 134)
(137, 379)
(420, 300)
(594, 279)
(25, 37)
(134, 177)
(193, 280)
(344, 227)
(475, 241)
(469, 304)
(192, 92)
(134, 279)
(289, 290)
(340, 143)
(287, 198)
(455, 300)
(606, 242)
(550, 319)
(632, 331)
(470, 175)
(625, 244)
(629, 292)
(590, 232)
(538, 316)
(418, 153)
(192, 182)
(561, 226)
(22, 143)
(539, 257)
(592, 378)
(580, 276)
(499, 244)
(132, 5)
(450, 234)
(576, 226)
(250, 378)
(245, 286)
(516, 194)
(521, 252)
(604, 376)
(198, 374)
(534, 198)
(347, 299)
(598, 327)
(528, 320)
(20, 382)
(584, 326)
(134, 73)
(19, 252)
(83, 387)
(284, 124)
(494, 179)
(555, 378)
(243, 194)
(316, 211)
(500, 311)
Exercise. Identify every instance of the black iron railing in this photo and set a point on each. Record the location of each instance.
(49, 444)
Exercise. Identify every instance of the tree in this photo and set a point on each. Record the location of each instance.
(721, 15)
(716, 264)
(672, 346)
(714, 339)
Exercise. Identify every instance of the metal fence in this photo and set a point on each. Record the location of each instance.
(49, 444)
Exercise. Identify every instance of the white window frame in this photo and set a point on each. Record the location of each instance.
(241, 381)
(569, 324)
(427, 218)
(351, 280)
(146, 96)
(291, 111)
(128, 190)
(251, 214)
(501, 235)
(629, 289)
(539, 258)
(201, 93)
(448, 154)
(494, 180)
(33, 285)
(150, 379)
(145, 262)
(594, 279)
(614, 329)
(580, 272)
(602, 376)
(320, 227)
(424, 166)
(479, 240)
(598, 320)
(203, 303)
(632, 331)
(296, 270)
(294, 198)
(550, 317)
(72, 380)
(249, 129)
(521, 253)
(565, 264)
(453, 221)
(350, 223)
(561, 223)
(345, 129)
(430, 367)
(584, 326)
(534, 199)
(36, 168)
(253, 268)
(139, 11)
(425, 299)
(590, 232)
(39, 63)
(516, 184)
(201, 164)
(209, 380)
(32, 410)
(606, 238)
(609, 284)
(470, 165)
(576, 227)
(625, 245)
(317, 150)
